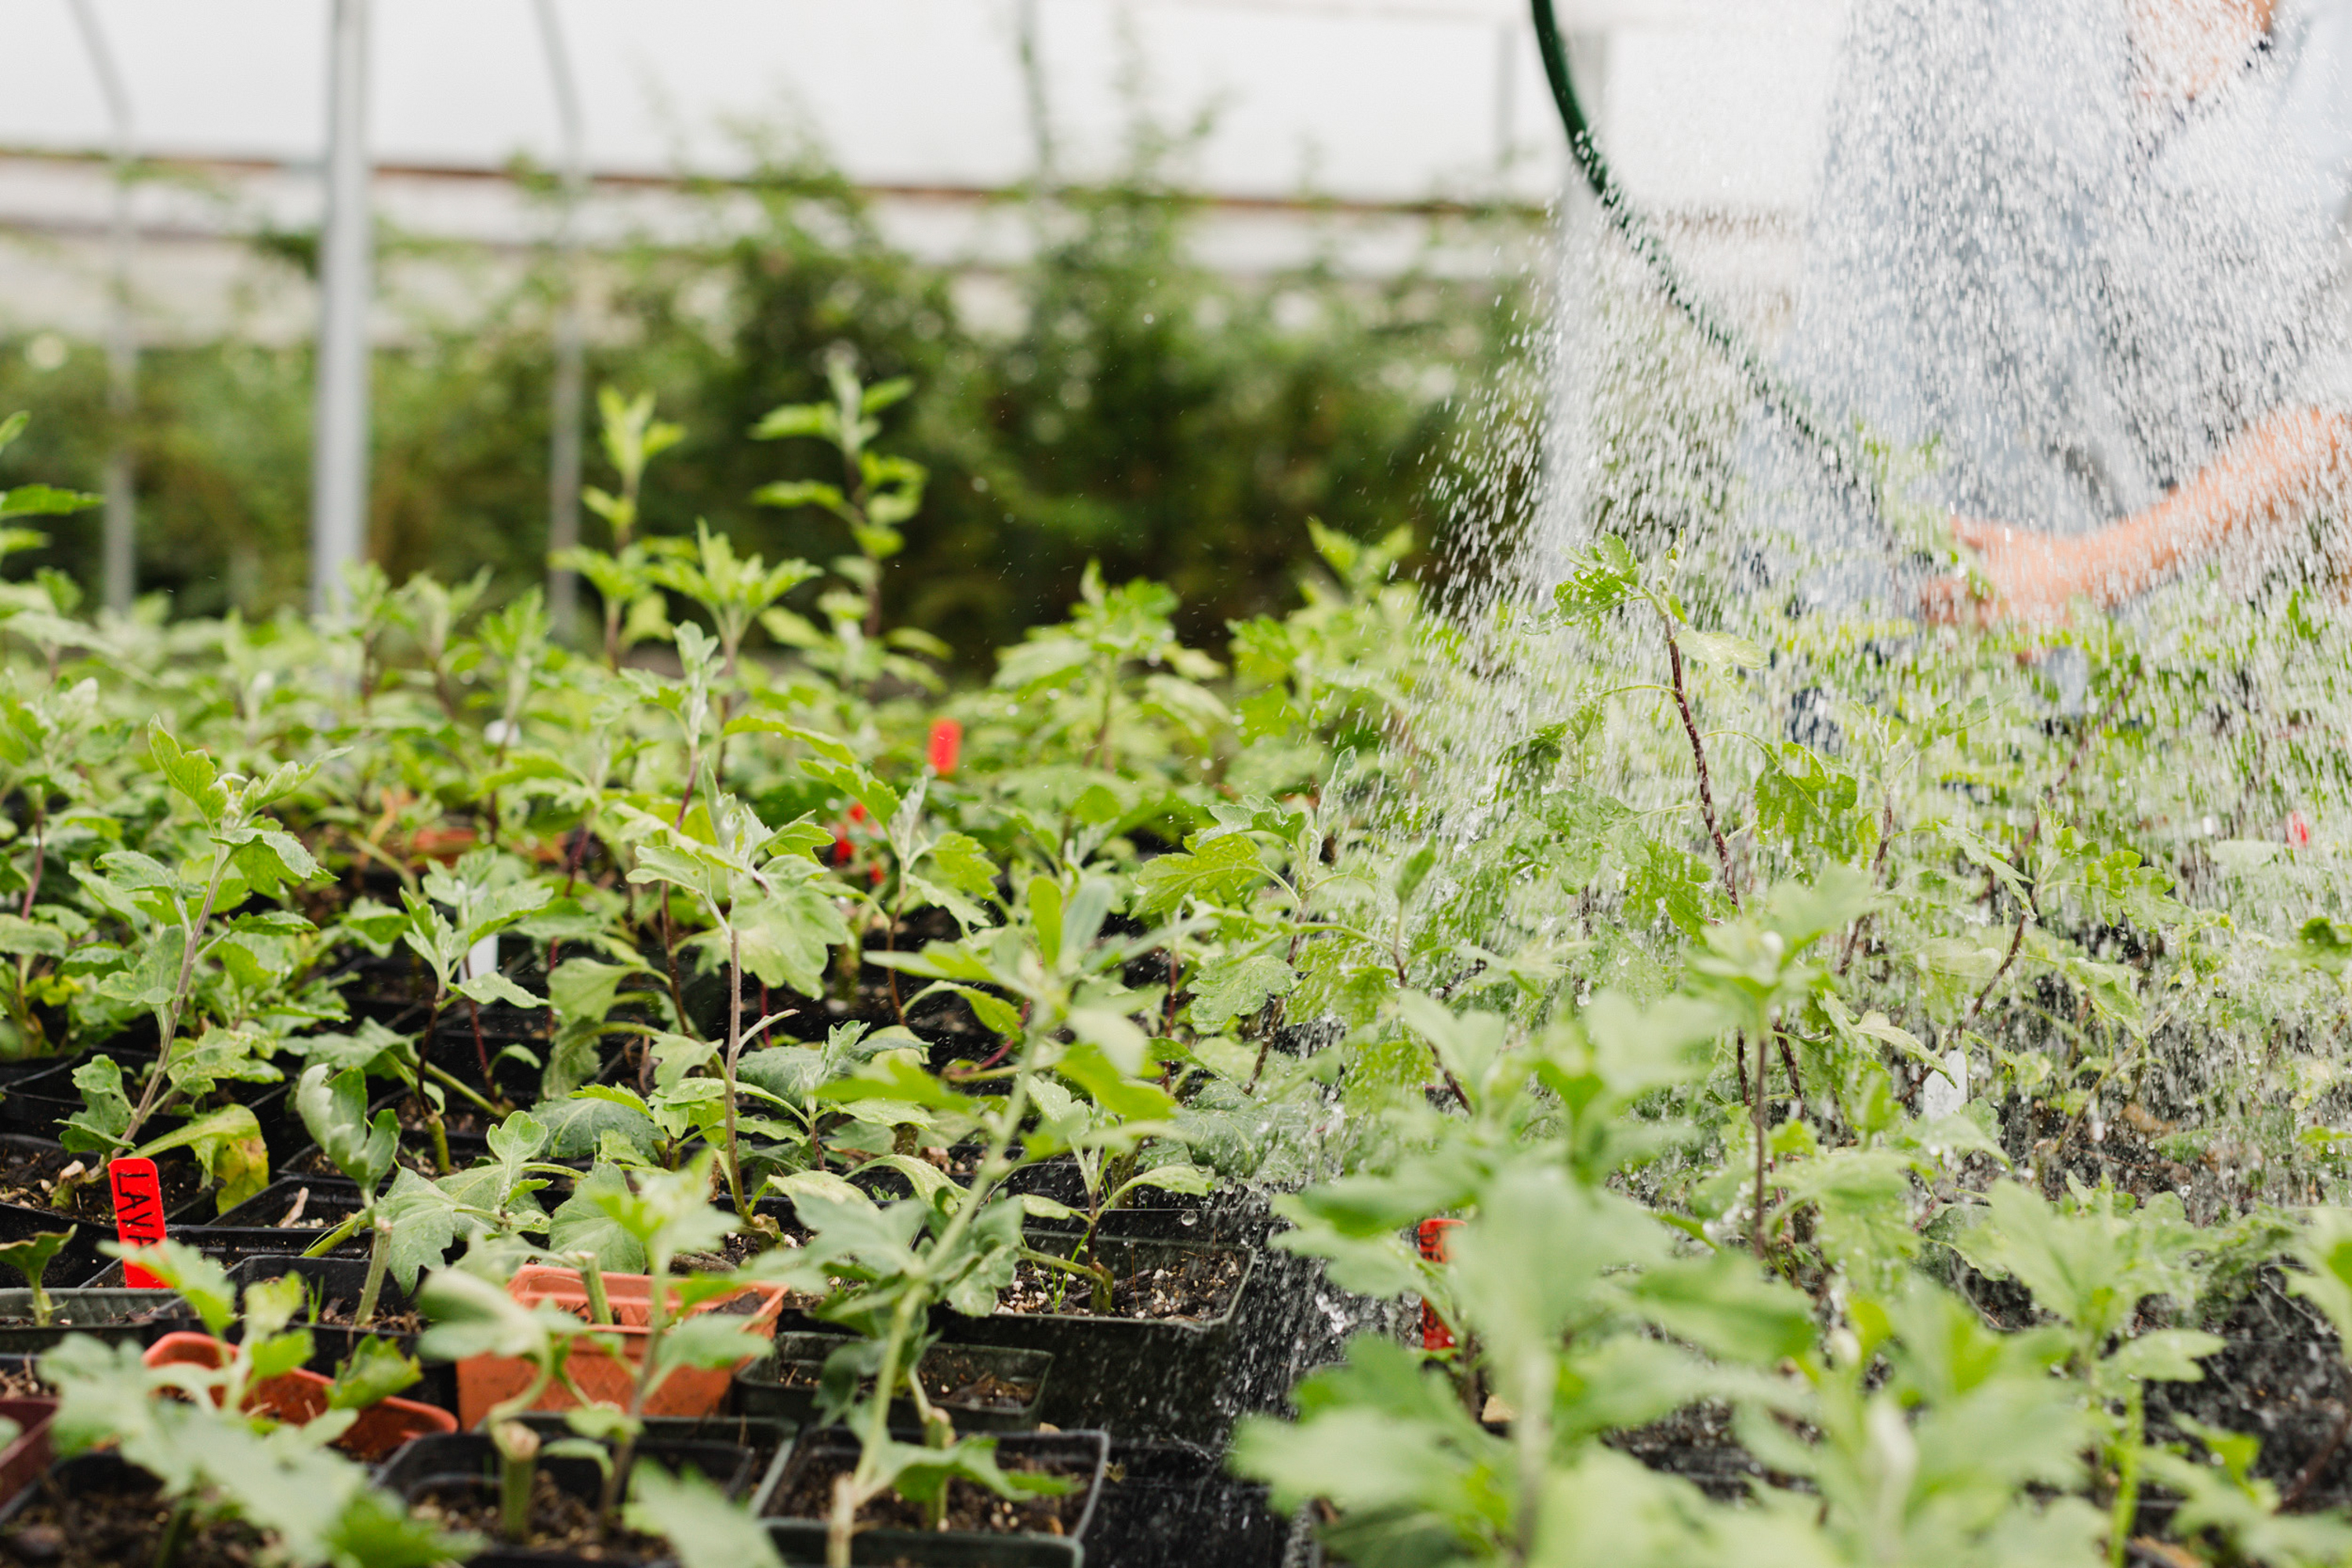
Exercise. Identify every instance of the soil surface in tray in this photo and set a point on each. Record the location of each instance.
(22, 1382)
(28, 1177)
(558, 1521)
(315, 1163)
(166, 1305)
(957, 1381)
(108, 1529)
(1697, 1443)
(970, 1507)
(1193, 1286)
(311, 1209)
(456, 1122)
(336, 1312)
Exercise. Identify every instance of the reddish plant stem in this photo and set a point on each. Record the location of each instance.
(1698, 755)
(571, 861)
(481, 1051)
(33, 887)
(2311, 1472)
(1877, 879)
(2015, 941)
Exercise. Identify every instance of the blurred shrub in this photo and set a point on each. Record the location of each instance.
(1121, 401)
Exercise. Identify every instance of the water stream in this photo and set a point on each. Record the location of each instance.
(2063, 261)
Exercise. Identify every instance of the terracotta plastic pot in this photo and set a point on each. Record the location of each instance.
(605, 1363)
(22, 1462)
(340, 1279)
(301, 1397)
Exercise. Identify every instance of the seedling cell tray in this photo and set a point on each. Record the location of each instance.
(982, 1388)
(114, 1316)
(1163, 1378)
(1077, 1455)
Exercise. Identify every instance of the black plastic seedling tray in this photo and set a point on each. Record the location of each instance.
(112, 1316)
(802, 1541)
(765, 1387)
(1159, 1378)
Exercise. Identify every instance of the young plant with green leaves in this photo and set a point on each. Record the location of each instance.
(213, 1457)
(472, 1316)
(484, 894)
(877, 492)
(624, 576)
(645, 1226)
(883, 1265)
(30, 1257)
(1085, 669)
(772, 915)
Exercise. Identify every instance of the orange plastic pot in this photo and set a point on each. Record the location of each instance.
(22, 1462)
(605, 1363)
(301, 1397)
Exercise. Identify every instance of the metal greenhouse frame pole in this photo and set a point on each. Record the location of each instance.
(122, 530)
(338, 449)
(569, 395)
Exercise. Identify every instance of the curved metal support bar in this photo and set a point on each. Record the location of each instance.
(568, 397)
(119, 547)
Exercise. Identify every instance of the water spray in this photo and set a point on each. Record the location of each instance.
(1836, 451)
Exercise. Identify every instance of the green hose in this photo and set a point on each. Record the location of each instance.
(1836, 450)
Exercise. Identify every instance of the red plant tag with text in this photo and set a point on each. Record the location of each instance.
(138, 1214)
(1434, 1334)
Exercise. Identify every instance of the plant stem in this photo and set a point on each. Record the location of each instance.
(616, 1480)
(1698, 755)
(2016, 940)
(852, 1490)
(188, 951)
(440, 1130)
(734, 1047)
(2127, 1506)
(840, 1524)
(33, 884)
(379, 1255)
(1531, 1445)
(600, 1308)
(1110, 697)
(518, 1447)
(1877, 879)
(1757, 1109)
(176, 1533)
(447, 1079)
(336, 1237)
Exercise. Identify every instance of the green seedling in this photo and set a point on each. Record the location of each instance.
(473, 1317)
(30, 1257)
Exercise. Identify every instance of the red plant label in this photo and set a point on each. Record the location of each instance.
(138, 1214)
(1434, 1334)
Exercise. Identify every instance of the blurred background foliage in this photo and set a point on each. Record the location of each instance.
(1121, 401)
